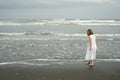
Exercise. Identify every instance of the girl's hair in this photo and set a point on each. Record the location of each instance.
(89, 32)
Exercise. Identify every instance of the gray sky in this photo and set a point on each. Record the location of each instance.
(52, 9)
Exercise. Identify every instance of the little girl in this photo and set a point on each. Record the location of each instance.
(91, 49)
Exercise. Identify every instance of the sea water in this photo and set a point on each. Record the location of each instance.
(57, 39)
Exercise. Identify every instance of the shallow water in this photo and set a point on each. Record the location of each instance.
(61, 41)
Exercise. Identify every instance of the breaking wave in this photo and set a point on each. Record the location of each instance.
(44, 62)
(25, 33)
(60, 21)
(51, 33)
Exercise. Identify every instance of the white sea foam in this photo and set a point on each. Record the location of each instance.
(37, 62)
(62, 21)
(5, 63)
(59, 36)
(24, 38)
(12, 34)
(42, 60)
(31, 62)
(25, 63)
(117, 60)
(76, 34)
(25, 33)
(9, 23)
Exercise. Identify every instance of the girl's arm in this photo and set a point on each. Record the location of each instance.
(90, 43)
(96, 42)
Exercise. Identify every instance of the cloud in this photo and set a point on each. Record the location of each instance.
(48, 3)
(89, 1)
(106, 9)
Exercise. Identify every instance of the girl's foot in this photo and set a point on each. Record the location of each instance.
(91, 64)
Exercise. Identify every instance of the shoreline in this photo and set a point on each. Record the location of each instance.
(103, 70)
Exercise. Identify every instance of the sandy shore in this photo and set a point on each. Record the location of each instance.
(75, 71)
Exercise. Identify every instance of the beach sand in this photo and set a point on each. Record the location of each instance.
(103, 70)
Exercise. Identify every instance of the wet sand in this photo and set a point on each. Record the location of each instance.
(103, 70)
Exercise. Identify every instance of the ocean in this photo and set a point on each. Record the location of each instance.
(53, 40)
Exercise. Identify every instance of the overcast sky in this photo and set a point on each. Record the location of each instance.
(52, 9)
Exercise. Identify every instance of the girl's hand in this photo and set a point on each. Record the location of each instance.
(97, 43)
(90, 49)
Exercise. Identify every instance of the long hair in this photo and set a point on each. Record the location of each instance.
(89, 32)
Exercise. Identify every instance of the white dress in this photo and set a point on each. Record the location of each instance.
(91, 55)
